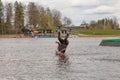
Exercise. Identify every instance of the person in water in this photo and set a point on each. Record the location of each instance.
(62, 44)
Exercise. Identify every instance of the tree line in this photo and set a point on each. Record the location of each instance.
(15, 16)
(105, 24)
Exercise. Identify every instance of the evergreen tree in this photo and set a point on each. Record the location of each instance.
(9, 18)
(19, 17)
(1, 17)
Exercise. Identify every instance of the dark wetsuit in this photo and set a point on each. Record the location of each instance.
(63, 43)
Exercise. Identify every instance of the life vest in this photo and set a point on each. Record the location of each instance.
(61, 47)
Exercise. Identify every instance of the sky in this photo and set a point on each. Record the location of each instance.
(81, 10)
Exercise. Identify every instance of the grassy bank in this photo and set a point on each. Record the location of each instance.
(96, 32)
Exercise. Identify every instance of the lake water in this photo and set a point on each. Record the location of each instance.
(35, 59)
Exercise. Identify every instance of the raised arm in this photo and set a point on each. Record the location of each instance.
(67, 36)
(68, 33)
(59, 36)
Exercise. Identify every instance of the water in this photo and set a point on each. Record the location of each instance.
(34, 59)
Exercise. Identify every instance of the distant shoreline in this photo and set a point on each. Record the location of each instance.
(12, 36)
(71, 36)
(84, 35)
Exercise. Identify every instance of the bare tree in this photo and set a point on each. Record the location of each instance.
(67, 21)
(93, 24)
(33, 14)
(56, 17)
(115, 23)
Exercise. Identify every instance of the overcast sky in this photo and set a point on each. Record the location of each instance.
(81, 10)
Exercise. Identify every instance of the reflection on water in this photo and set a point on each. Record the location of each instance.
(35, 59)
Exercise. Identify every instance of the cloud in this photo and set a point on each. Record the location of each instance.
(100, 10)
(109, 3)
(85, 2)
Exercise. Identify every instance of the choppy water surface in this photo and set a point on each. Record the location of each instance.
(34, 59)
